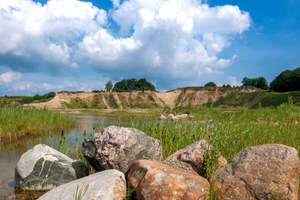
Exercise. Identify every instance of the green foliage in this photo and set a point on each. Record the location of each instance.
(98, 102)
(70, 91)
(256, 99)
(111, 101)
(78, 103)
(226, 86)
(98, 91)
(259, 82)
(17, 122)
(286, 81)
(132, 84)
(80, 193)
(108, 86)
(150, 98)
(210, 84)
(45, 96)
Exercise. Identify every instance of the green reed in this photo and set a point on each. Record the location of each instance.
(228, 132)
(17, 122)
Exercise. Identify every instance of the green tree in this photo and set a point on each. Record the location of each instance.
(286, 81)
(50, 94)
(108, 86)
(133, 84)
(226, 86)
(37, 97)
(210, 84)
(259, 82)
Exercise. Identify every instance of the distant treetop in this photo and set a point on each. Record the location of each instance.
(133, 84)
(259, 82)
(210, 84)
(286, 81)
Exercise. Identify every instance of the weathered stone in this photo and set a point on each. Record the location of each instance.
(170, 115)
(175, 118)
(182, 166)
(182, 116)
(162, 117)
(119, 147)
(263, 172)
(109, 184)
(153, 180)
(44, 168)
(193, 154)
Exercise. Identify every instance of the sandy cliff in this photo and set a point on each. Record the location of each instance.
(137, 99)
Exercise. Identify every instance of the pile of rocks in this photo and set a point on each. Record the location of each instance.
(176, 117)
(128, 158)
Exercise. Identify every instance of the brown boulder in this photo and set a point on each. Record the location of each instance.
(154, 180)
(263, 172)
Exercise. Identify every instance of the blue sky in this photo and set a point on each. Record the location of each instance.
(79, 45)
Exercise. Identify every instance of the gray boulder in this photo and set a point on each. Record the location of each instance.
(118, 147)
(44, 168)
(109, 184)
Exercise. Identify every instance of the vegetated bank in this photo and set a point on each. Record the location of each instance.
(17, 122)
(181, 97)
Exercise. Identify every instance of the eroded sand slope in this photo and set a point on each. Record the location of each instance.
(134, 99)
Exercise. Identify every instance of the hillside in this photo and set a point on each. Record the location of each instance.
(181, 97)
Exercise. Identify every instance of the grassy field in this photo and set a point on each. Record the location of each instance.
(17, 122)
(229, 131)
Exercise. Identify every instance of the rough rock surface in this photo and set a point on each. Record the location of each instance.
(182, 116)
(109, 184)
(193, 154)
(153, 180)
(162, 117)
(119, 147)
(262, 172)
(44, 168)
(182, 166)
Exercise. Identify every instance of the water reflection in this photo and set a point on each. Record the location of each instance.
(11, 153)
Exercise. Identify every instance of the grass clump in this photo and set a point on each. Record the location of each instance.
(111, 101)
(78, 103)
(98, 102)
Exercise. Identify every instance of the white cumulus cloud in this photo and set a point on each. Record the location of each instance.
(9, 77)
(178, 38)
(232, 81)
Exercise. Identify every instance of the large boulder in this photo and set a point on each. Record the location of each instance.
(44, 168)
(118, 147)
(262, 172)
(109, 184)
(193, 155)
(152, 180)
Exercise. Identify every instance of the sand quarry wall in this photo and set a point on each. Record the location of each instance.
(137, 99)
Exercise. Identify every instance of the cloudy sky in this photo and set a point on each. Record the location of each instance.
(77, 45)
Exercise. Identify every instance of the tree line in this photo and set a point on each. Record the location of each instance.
(288, 80)
(126, 85)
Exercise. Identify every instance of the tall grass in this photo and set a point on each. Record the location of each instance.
(17, 122)
(228, 132)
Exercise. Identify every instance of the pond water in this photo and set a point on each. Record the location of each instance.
(11, 153)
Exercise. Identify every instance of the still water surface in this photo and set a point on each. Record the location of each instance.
(11, 153)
